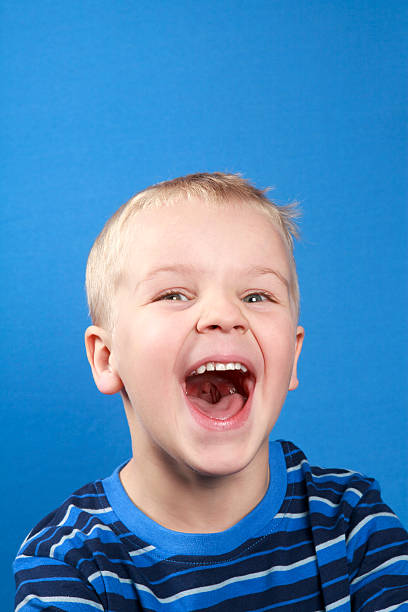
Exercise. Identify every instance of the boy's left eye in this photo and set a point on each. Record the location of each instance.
(252, 298)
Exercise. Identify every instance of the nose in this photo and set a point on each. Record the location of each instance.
(223, 315)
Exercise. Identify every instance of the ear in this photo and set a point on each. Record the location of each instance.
(300, 334)
(98, 343)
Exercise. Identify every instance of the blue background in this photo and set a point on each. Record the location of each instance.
(101, 99)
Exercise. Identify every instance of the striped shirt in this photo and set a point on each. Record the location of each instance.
(319, 540)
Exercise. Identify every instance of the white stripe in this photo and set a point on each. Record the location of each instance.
(96, 575)
(341, 538)
(61, 523)
(59, 599)
(356, 491)
(141, 551)
(332, 504)
(220, 585)
(338, 475)
(380, 567)
(338, 603)
(73, 534)
(297, 467)
(291, 515)
(88, 510)
(324, 501)
(394, 607)
(366, 520)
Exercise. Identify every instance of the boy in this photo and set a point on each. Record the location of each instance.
(194, 300)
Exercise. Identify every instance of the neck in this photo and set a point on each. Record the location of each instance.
(182, 500)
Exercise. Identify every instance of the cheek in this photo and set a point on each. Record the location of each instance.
(279, 350)
(159, 342)
(147, 352)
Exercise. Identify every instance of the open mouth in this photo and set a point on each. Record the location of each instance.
(219, 390)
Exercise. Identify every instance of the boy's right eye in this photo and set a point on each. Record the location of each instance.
(173, 296)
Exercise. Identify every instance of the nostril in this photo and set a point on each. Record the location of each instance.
(241, 328)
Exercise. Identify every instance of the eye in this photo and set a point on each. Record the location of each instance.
(253, 298)
(173, 296)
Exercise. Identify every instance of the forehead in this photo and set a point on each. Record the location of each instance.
(194, 229)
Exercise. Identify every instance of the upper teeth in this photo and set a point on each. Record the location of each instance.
(216, 365)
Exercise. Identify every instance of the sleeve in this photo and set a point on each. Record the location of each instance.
(48, 584)
(377, 554)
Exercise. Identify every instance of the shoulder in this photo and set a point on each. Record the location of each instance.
(346, 506)
(57, 558)
(352, 529)
(326, 485)
(337, 496)
(84, 515)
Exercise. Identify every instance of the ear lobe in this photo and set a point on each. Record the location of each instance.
(300, 334)
(97, 343)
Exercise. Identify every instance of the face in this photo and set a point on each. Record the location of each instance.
(206, 288)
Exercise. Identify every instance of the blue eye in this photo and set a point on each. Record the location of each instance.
(254, 298)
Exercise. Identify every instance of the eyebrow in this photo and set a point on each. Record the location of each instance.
(175, 268)
(262, 270)
(189, 269)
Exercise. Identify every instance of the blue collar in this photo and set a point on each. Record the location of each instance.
(259, 522)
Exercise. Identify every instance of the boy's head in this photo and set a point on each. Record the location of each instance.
(108, 256)
(193, 294)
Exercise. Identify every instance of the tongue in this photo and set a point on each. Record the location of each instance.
(225, 408)
(214, 396)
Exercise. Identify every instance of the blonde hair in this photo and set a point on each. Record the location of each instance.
(106, 258)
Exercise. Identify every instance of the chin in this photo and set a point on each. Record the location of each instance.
(220, 461)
